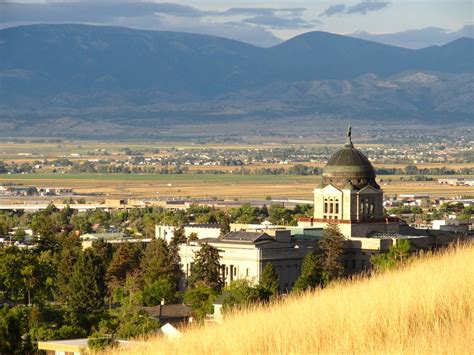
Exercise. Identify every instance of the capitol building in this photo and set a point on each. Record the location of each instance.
(349, 195)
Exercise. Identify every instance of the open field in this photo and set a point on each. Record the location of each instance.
(424, 308)
(199, 158)
(210, 185)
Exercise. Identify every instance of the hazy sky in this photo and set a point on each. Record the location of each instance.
(262, 23)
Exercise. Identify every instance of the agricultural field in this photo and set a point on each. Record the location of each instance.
(227, 171)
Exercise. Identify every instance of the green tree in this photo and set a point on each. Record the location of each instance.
(224, 224)
(332, 246)
(14, 337)
(396, 255)
(45, 228)
(87, 285)
(179, 237)
(241, 293)
(158, 290)
(279, 214)
(206, 268)
(64, 263)
(200, 299)
(126, 259)
(104, 250)
(156, 262)
(270, 280)
(311, 273)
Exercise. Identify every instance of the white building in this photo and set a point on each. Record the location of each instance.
(245, 254)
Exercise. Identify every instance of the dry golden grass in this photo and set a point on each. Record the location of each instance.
(425, 308)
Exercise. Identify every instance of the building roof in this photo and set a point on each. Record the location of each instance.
(167, 311)
(104, 236)
(349, 167)
(68, 345)
(243, 236)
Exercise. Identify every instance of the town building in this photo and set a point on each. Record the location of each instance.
(244, 255)
(349, 196)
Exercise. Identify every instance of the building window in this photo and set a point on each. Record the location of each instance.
(331, 205)
(337, 207)
(325, 207)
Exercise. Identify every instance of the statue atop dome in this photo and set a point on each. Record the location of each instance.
(349, 138)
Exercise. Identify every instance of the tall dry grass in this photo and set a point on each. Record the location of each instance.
(425, 308)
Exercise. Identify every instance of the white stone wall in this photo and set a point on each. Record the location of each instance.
(246, 261)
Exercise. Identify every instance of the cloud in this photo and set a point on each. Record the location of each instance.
(418, 38)
(255, 11)
(366, 6)
(146, 15)
(333, 10)
(277, 22)
(359, 8)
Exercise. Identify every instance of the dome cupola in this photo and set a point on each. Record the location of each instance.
(349, 167)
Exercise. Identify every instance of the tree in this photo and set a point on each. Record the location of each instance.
(270, 280)
(125, 260)
(44, 227)
(396, 255)
(193, 237)
(401, 250)
(64, 262)
(87, 285)
(310, 273)
(224, 225)
(179, 236)
(158, 263)
(200, 298)
(278, 214)
(206, 268)
(161, 289)
(332, 246)
(241, 293)
(104, 250)
(13, 331)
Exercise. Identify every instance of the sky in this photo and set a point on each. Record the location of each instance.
(261, 23)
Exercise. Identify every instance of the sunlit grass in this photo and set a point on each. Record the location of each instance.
(424, 308)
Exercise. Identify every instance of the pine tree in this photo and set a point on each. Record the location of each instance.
(224, 225)
(87, 285)
(156, 262)
(270, 280)
(310, 273)
(64, 263)
(179, 236)
(126, 259)
(332, 246)
(206, 268)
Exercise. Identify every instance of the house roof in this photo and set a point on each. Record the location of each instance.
(169, 311)
(104, 236)
(242, 236)
(67, 345)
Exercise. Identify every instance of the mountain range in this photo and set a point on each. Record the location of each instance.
(118, 75)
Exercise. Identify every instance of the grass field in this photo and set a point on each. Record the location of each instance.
(210, 185)
(424, 308)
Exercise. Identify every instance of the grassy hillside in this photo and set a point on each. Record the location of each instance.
(428, 307)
